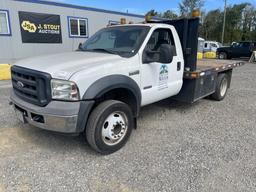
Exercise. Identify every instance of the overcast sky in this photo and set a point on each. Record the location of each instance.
(142, 6)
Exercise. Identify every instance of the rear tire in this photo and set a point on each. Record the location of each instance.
(223, 55)
(221, 87)
(109, 126)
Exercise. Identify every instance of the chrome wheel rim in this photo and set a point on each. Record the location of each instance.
(114, 128)
(223, 87)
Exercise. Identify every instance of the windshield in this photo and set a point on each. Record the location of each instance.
(242, 44)
(121, 40)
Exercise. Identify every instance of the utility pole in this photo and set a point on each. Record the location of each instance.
(224, 22)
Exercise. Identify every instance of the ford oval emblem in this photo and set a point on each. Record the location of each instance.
(20, 84)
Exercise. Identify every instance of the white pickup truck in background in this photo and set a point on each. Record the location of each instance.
(100, 88)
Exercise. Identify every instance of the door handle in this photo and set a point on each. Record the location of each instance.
(178, 66)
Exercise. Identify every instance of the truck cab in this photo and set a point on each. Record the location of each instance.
(211, 46)
(99, 88)
(144, 51)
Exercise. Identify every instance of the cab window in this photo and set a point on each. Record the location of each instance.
(244, 44)
(213, 45)
(159, 37)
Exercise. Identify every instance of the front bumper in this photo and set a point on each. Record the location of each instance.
(58, 116)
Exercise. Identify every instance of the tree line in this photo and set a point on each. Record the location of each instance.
(240, 20)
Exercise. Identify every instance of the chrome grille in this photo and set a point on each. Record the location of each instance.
(31, 86)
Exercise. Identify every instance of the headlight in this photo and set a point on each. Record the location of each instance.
(64, 90)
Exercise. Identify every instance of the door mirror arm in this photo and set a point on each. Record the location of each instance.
(152, 52)
(150, 56)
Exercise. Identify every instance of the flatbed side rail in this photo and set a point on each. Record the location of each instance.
(199, 73)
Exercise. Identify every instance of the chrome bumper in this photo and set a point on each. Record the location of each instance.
(57, 116)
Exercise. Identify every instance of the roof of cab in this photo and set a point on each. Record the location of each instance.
(140, 24)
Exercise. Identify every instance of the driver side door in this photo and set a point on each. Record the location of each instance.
(160, 80)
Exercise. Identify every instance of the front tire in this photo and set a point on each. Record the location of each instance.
(109, 126)
(221, 87)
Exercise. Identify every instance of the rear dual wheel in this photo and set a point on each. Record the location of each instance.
(109, 126)
(221, 87)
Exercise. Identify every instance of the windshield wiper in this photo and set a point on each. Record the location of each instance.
(100, 49)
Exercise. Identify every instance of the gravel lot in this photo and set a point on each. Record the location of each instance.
(206, 146)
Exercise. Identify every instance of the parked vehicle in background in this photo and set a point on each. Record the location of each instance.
(236, 50)
(211, 46)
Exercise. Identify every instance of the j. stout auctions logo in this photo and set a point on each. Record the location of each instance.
(163, 77)
(27, 26)
(40, 28)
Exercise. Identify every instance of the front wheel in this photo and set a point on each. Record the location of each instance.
(109, 126)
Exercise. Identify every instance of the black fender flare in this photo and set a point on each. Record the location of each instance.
(111, 82)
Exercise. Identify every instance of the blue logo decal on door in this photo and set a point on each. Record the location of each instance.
(163, 77)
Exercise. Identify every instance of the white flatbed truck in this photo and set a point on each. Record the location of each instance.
(99, 89)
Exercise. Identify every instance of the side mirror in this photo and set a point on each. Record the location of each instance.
(164, 55)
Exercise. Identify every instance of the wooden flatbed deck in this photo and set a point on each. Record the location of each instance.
(212, 65)
(206, 64)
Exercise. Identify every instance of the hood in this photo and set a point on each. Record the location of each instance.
(64, 65)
